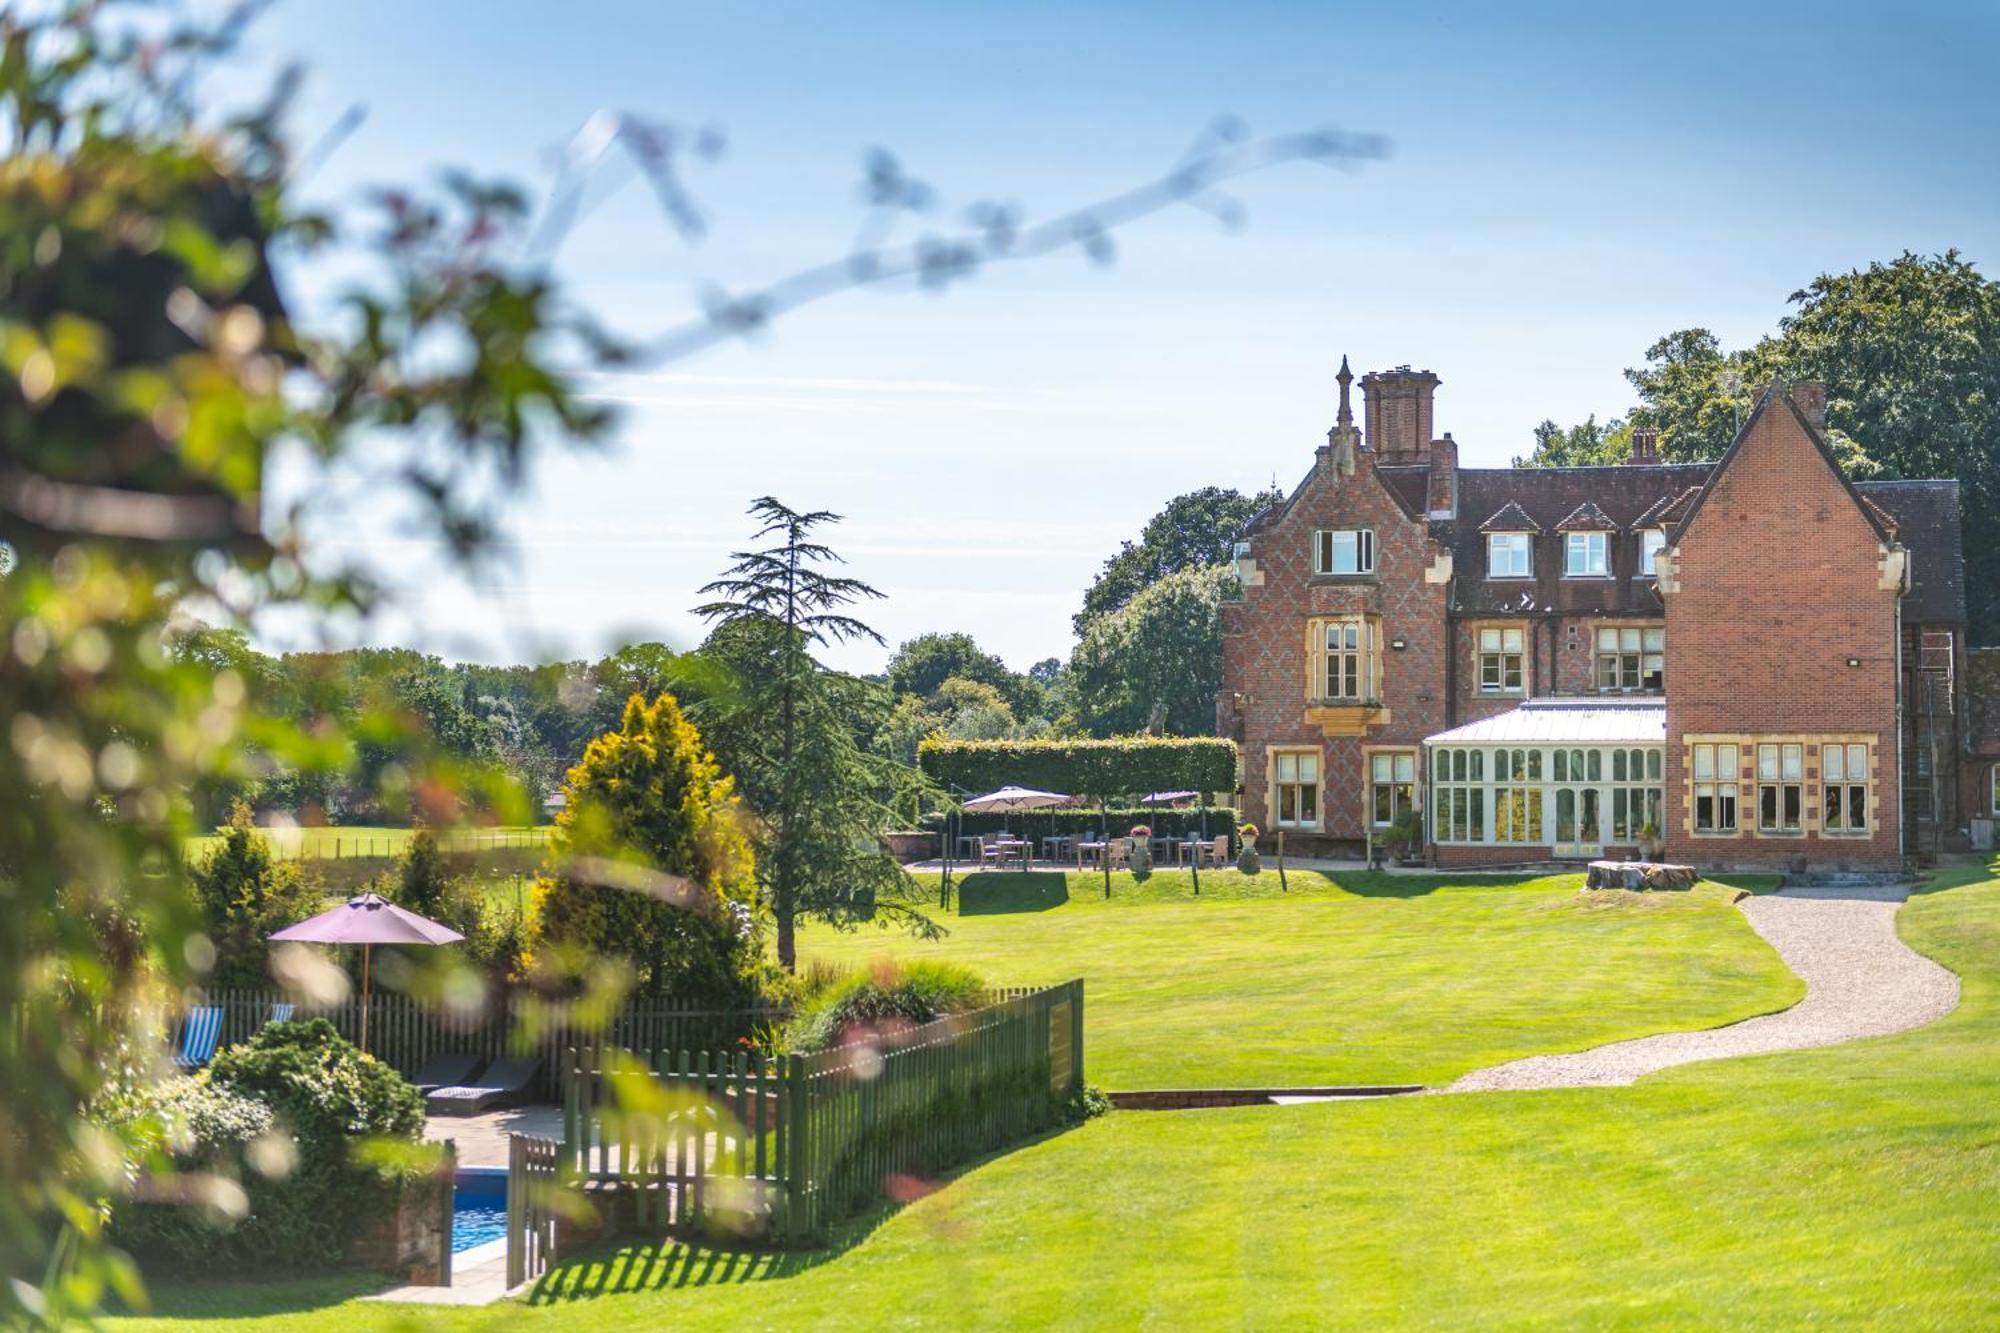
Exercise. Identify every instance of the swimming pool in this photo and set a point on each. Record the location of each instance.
(479, 1208)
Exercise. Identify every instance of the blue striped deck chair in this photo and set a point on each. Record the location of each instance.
(280, 1013)
(200, 1030)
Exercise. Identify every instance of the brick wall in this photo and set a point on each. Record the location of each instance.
(1776, 587)
(1264, 645)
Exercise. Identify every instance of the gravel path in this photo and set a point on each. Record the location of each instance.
(1861, 981)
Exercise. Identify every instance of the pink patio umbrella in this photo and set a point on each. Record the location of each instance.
(368, 920)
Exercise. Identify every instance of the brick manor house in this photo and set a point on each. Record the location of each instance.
(1760, 659)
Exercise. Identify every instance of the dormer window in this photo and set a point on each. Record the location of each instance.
(1510, 555)
(1586, 555)
(1344, 551)
(1651, 542)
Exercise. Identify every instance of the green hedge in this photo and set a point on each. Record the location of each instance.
(1126, 767)
(1166, 823)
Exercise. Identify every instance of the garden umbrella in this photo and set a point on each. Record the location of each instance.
(1009, 799)
(368, 920)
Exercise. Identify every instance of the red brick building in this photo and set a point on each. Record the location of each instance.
(1755, 661)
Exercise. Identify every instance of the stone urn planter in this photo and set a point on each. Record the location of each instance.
(1247, 860)
(1139, 850)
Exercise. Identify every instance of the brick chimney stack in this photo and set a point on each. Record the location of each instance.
(1810, 398)
(1441, 487)
(1399, 414)
(1645, 446)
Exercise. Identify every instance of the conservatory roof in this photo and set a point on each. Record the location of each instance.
(1567, 721)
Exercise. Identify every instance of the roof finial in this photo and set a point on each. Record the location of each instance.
(1343, 439)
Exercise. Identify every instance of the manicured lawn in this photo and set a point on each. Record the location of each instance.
(1351, 978)
(1857, 1185)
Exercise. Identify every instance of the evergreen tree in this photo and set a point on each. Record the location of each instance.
(821, 798)
(245, 894)
(651, 864)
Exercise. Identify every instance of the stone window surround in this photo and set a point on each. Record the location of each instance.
(1371, 654)
(1811, 822)
(1473, 629)
(1271, 754)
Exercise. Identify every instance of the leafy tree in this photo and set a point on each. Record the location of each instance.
(1909, 352)
(958, 709)
(1193, 531)
(819, 795)
(926, 662)
(1581, 445)
(245, 894)
(651, 863)
(1155, 664)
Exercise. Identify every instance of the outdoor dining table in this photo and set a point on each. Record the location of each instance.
(1017, 847)
(968, 846)
(1089, 849)
(1055, 847)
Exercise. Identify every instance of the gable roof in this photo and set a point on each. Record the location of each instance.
(1510, 517)
(1586, 517)
(1776, 391)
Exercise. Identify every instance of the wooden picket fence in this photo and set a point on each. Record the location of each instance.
(405, 1032)
(788, 1146)
(533, 1176)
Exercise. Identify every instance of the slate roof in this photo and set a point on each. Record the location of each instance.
(1923, 514)
(1510, 517)
(1926, 515)
(1586, 517)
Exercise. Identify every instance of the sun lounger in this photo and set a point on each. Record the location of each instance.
(444, 1071)
(281, 1013)
(507, 1083)
(200, 1031)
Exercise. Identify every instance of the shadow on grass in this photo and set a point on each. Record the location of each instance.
(1005, 891)
(1381, 884)
(255, 1296)
(620, 1266)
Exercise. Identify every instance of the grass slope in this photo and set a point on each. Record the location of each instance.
(1347, 978)
(1854, 1185)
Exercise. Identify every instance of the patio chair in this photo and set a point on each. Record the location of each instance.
(1216, 849)
(444, 1071)
(507, 1083)
(200, 1031)
(1118, 852)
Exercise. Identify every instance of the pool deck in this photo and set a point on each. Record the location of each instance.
(482, 1139)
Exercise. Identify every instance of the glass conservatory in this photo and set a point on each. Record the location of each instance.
(1573, 776)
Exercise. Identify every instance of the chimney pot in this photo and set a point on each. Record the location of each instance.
(1645, 446)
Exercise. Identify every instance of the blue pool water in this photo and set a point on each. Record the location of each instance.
(479, 1209)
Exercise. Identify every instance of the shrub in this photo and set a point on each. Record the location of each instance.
(330, 1097)
(1125, 766)
(891, 994)
(196, 1127)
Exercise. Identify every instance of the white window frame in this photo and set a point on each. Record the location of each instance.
(1641, 648)
(1596, 549)
(1493, 643)
(1717, 766)
(1651, 542)
(1512, 543)
(1392, 772)
(1781, 768)
(1361, 549)
(1359, 655)
(1300, 784)
(1843, 777)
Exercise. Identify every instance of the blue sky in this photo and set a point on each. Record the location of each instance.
(1568, 182)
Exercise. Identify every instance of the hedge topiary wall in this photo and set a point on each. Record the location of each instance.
(1124, 767)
